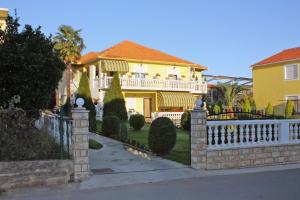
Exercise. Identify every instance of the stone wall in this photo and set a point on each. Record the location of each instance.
(29, 173)
(253, 156)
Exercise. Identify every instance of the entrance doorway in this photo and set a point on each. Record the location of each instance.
(147, 108)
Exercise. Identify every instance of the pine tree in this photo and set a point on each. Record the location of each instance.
(114, 102)
(289, 109)
(269, 109)
(247, 106)
(85, 93)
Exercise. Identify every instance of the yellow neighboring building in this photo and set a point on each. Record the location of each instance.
(153, 82)
(3, 16)
(276, 80)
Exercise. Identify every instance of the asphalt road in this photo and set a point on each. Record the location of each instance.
(283, 185)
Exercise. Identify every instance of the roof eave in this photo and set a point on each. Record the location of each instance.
(260, 65)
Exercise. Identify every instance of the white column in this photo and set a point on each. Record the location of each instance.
(284, 132)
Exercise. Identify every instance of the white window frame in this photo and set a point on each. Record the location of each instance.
(285, 74)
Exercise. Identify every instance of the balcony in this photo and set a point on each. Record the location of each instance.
(197, 87)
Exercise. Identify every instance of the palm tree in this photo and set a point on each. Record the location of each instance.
(227, 93)
(69, 43)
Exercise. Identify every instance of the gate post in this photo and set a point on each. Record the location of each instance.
(80, 141)
(198, 136)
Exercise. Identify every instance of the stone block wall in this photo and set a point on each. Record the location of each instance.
(29, 173)
(253, 156)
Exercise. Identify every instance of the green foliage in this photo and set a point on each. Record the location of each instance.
(111, 126)
(123, 132)
(216, 109)
(137, 121)
(289, 109)
(247, 106)
(269, 109)
(85, 93)
(227, 93)
(29, 66)
(93, 144)
(20, 140)
(114, 100)
(185, 120)
(162, 136)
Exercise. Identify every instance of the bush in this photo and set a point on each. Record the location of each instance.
(216, 109)
(123, 132)
(247, 106)
(185, 120)
(162, 136)
(114, 100)
(93, 144)
(20, 140)
(137, 121)
(29, 67)
(289, 109)
(85, 93)
(269, 110)
(111, 126)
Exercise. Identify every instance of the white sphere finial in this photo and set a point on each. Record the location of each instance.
(79, 102)
(198, 103)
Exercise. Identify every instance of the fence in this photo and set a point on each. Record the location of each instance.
(60, 128)
(243, 143)
(245, 133)
(174, 116)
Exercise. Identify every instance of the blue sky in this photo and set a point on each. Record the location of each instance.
(227, 36)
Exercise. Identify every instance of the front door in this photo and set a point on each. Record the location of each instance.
(147, 108)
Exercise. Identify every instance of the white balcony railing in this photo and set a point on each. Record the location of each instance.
(155, 84)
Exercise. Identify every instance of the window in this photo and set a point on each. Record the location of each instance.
(291, 72)
(295, 100)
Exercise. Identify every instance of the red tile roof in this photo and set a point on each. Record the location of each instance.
(128, 50)
(285, 55)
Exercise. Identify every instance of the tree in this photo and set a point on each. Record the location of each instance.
(70, 45)
(289, 109)
(247, 106)
(29, 66)
(85, 93)
(114, 102)
(227, 93)
(269, 109)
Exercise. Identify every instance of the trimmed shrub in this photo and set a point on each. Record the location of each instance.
(111, 126)
(162, 136)
(137, 121)
(216, 109)
(185, 120)
(289, 109)
(269, 109)
(114, 100)
(93, 144)
(123, 132)
(247, 106)
(85, 93)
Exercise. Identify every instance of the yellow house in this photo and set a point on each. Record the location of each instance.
(276, 80)
(3, 16)
(153, 82)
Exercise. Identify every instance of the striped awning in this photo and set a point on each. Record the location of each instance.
(114, 66)
(176, 99)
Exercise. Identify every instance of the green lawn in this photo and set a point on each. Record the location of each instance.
(181, 151)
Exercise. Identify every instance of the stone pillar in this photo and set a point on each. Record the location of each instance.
(80, 143)
(198, 138)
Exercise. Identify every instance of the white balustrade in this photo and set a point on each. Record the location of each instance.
(155, 84)
(247, 133)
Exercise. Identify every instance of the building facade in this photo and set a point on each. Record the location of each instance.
(276, 80)
(3, 16)
(153, 82)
